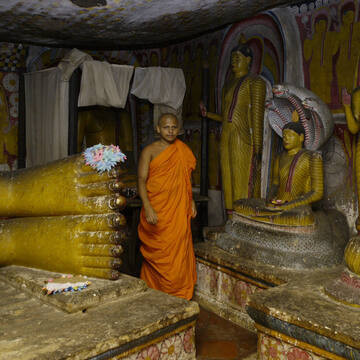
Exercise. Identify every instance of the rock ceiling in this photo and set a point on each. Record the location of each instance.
(116, 24)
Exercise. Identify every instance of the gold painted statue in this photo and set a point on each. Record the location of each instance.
(297, 183)
(351, 105)
(63, 217)
(98, 125)
(284, 230)
(242, 116)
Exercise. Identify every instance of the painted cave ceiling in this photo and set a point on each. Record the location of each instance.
(116, 24)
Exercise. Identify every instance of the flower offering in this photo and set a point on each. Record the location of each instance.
(103, 157)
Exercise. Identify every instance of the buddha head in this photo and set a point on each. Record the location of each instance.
(321, 23)
(293, 135)
(347, 13)
(241, 59)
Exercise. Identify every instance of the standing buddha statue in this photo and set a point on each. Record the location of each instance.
(242, 116)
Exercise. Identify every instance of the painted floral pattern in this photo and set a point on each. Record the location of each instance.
(180, 346)
(150, 353)
(171, 348)
(189, 340)
(271, 348)
(9, 101)
(224, 287)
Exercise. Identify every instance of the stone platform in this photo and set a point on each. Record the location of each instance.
(120, 319)
(226, 281)
(299, 321)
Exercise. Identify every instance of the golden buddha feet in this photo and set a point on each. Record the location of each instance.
(64, 187)
(78, 244)
(64, 217)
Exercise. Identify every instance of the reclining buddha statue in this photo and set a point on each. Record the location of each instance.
(64, 217)
(284, 229)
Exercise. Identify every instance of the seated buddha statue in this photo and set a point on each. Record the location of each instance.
(297, 183)
(63, 217)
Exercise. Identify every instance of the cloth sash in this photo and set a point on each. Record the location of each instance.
(292, 170)
(235, 98)
(169, 261)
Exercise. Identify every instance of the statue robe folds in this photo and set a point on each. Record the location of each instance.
(169, 260)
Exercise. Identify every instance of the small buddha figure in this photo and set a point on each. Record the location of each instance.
(297, 183)
(242, 117)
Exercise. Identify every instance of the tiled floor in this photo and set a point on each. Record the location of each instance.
(218, 339)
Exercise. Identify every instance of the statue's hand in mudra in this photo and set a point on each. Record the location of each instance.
(276, 205)
(64, 187)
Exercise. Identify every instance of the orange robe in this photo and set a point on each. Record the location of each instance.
(169, 260)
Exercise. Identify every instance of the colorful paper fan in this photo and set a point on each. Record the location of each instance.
(103, 157)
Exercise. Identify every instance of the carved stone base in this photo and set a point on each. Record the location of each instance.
(345, 288)
(299, 321)
(293, 247)
(139, 323)
(226, 282)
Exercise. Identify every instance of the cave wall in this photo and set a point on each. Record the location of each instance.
(315, 45)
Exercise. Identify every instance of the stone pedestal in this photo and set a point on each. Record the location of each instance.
(300, 321)
(226, 281)
(120, 319)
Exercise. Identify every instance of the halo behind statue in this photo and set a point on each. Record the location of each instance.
(314, 114)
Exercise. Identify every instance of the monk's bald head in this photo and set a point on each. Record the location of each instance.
(168, 128)
(164, 117)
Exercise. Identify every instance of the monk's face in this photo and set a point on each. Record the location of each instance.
(292, 140)
(168, 128)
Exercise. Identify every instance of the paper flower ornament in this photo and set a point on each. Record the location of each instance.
(103, 157)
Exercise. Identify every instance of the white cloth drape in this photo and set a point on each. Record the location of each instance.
(46, 97)
(71, 61)
(104, 84)
(164, 87)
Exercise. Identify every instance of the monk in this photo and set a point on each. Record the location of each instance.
(164, 184)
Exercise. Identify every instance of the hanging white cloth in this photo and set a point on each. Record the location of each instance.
(71, 61)
(104, 84)
(164, 87)
(46, 116)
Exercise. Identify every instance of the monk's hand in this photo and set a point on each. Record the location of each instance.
(150, 215)
(193, 209)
